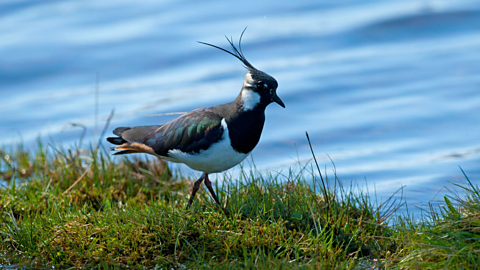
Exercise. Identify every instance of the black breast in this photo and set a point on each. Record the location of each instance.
(245, 129)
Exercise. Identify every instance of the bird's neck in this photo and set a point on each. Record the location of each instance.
(249, 100)
(245, 126)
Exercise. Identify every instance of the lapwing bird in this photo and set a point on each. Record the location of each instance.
(210, 139)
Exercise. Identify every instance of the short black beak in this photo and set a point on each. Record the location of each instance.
(276, 99)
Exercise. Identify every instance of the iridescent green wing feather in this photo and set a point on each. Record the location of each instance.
(190, 133)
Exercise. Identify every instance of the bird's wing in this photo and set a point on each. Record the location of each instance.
(188, 133)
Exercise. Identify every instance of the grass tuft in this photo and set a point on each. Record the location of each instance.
(84, 209)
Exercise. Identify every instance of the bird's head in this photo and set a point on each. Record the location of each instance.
(259, 88)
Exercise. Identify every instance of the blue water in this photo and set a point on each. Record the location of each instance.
(390, 90)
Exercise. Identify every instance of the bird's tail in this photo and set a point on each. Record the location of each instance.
(131, 148)
(130, 140)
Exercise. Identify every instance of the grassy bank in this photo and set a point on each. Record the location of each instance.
(80, 209)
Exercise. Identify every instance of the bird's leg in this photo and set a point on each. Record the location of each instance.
(196, 186)
(210, 188)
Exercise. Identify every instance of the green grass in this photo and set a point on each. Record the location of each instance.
(87, 209)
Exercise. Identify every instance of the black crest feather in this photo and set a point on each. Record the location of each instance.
(237, 53)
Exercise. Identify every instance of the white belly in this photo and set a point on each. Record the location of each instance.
(219, 157)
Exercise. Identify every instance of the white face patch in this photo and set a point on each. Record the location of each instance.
(248, 80)
(250, 99)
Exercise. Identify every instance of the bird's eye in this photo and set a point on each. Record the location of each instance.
(261, 86)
